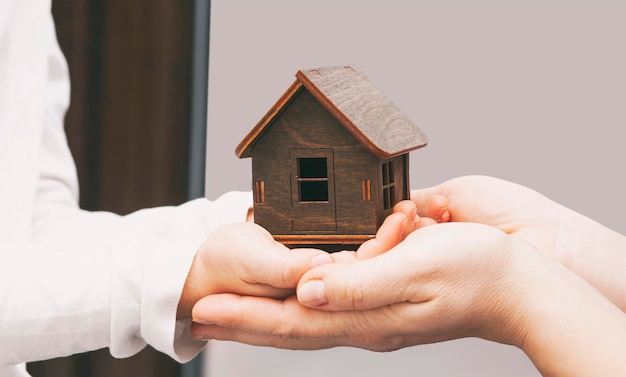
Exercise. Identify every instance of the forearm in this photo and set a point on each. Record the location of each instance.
(611, 270)
(149, 254)
(87, 282)
(596, 253)
(570, 328)
(53, 303)
(142, 259)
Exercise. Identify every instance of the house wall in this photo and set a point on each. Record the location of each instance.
(305, 123)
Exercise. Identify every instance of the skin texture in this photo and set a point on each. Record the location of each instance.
(591, 250)
(244, 259)
(442, 282)
(399, 314)
(509, 266)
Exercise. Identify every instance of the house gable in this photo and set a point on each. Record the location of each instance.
(364, 110)
(357, 104)
(304, 128)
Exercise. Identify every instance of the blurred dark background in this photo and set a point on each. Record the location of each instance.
(136, 126)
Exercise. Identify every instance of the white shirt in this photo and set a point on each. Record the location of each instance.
(72, 280)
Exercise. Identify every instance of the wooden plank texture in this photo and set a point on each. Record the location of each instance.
(364, 110)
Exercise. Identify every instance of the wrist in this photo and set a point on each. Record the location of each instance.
(519, 289)
(569, 328)
(598, 255)
(610, 262)
(195, 287)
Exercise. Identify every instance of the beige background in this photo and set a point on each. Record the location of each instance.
(533, 92)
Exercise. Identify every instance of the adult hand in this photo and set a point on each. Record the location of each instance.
(593, 251)
(442, 282)
(243, 258)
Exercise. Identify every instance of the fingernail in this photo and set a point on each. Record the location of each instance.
(313, 293)
(321, 259)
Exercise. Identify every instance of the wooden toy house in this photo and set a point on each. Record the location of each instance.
(329, 159)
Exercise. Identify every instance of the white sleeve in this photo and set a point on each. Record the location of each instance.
(88, 280)
(92, 279)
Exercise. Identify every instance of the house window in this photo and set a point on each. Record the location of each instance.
(313, 179)
(389, 191)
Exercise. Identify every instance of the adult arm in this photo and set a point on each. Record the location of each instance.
(590, 249)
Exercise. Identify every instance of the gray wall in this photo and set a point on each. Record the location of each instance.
(533, 92)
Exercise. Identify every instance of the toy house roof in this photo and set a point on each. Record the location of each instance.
(356, 103)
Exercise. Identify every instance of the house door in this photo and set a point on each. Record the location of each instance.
(313, 190)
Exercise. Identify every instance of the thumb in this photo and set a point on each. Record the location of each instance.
(359, 285)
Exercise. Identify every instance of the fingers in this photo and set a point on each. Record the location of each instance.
(264, 321)
(365, 284)
(422, 222)
(206, 332)
(435, 207)
(419, 196)
(344, 256)
(265, 316)
(273, 264)
(390, 233)
(289, 325)
(409, 209)
(278, 273)
(283, 268)
(394, 229)
(432, 205)
(432, 210)
(404, 273)
(243, 258)
(401, 223)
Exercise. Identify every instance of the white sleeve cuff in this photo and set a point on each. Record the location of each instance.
(166, 263)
